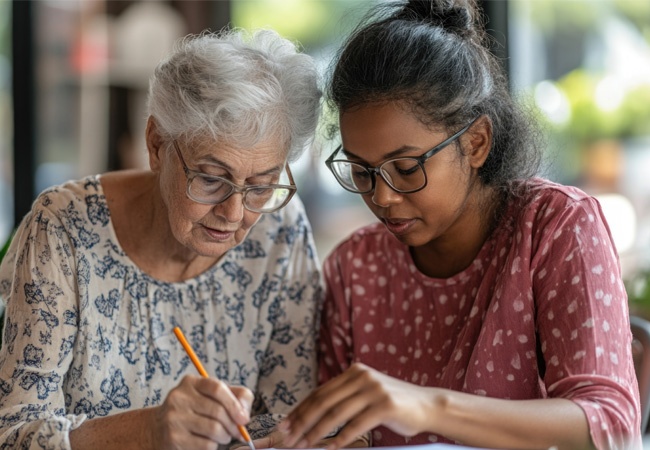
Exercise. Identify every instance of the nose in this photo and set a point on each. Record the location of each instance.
(232, 209)
(384, 195)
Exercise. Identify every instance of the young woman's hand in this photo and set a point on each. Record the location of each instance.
(361, 399)
(200, 413)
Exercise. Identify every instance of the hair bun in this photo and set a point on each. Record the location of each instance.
(452, 15)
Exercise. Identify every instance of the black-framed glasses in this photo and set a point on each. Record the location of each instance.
(404, 175)
(212, 190)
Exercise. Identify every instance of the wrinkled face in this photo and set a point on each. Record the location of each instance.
(374, 133)
(212, 230)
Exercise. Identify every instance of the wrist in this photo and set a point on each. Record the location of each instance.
(439, 404)
(149, 430)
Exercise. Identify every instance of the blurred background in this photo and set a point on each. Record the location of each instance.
(74, 74)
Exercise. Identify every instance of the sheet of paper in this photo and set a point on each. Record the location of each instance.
(416, 447)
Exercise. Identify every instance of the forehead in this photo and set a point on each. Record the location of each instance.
(270, 154)
(386, 126)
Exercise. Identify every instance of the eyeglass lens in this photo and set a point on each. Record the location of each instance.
(214, 190)
(402, 174)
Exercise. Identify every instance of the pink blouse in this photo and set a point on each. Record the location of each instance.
(541, 312)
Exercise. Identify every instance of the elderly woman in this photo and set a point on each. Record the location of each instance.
(209, 240)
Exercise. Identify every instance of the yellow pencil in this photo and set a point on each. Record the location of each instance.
(199, 367)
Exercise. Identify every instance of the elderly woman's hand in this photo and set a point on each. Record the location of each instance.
(200, 413)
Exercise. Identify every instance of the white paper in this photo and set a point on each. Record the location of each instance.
(414, 447)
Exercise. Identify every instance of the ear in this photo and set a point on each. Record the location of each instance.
(155, 144)
(477, 141)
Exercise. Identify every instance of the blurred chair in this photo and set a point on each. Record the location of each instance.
(641, 355)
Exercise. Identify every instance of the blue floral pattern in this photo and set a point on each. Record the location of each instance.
(88, 334)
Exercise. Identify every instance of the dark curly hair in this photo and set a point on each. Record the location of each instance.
(434, 57)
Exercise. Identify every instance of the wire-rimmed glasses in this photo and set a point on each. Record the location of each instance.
(404, 174)
(212, 190)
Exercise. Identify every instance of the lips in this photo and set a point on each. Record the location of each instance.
(398, 226)
(218, 235)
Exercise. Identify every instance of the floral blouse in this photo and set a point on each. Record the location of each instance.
(88, 334)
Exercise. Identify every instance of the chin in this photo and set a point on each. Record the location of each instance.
(210, 248)
(412, 240)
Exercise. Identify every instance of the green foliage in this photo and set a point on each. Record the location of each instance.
(5, 247)
(5, 28)
(313, 23)
(634, 112)
(638, 293)
(589, 122)
(637, 12)
(556, 15)
(3, 252)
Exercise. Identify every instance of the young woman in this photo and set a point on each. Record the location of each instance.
(487, 307)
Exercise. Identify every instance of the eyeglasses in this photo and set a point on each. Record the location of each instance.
(212, 190)
(404, 175)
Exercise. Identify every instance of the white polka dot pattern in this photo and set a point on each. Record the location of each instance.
(548, 277)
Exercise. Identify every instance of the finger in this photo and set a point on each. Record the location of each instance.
(221, 393)
(186, 402)
(319, 403)
(362, 423)
(310, 410)
(339, 386)
(244, 395)
(341, 413)
(211, 429)
(217, 413)
(318, 395)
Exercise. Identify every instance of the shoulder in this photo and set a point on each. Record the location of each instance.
(76, 208)
(552, 215)
(542, 190)
(73, 195)
(544, 202)
(57, 221)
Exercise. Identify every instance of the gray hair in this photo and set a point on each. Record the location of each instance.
(242, 87)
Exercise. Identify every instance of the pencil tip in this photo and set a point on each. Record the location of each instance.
(250, 444)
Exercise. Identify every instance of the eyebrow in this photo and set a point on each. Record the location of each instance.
(212, 160)
(398, 152)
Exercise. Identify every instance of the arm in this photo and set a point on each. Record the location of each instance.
(40, 330)
(197, 413)
(583, 324)
(366, 398)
